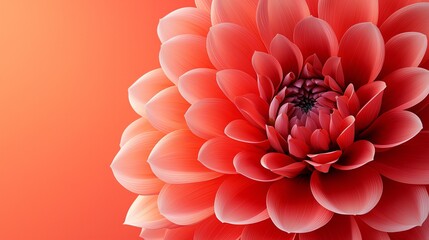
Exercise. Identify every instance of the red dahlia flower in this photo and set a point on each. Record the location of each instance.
(283, 119)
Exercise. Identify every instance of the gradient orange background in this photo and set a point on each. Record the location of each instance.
(65, 67)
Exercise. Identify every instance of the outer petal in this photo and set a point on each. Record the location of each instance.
(388, 7)
(315, 36)
(174, 159)
(234, 83)
(407, 163)
(240, 12)
(339, 228)
(292, 207)
(240, 200)
(186, 20)
(413, 234)
(166, 110)
(213, 229)
(145, 88)
(393, 128)
(208, 118)
(265, 230)
(130, 167)
(183, 53)
(401, 207)
(347, 192)
(231, 46)
(362, 53)
(186, 204)
(140, 125)
(405, 88)
(144, 213)
(404, 50)
(412, 18)
(198, 84)
(343, 14)
(279, 17)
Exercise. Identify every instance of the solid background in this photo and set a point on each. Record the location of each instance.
(65, 67)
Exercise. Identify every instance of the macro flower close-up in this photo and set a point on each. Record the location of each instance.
(283, 120)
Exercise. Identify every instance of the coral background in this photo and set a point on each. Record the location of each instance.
(65, 67)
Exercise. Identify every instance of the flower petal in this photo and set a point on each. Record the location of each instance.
(144, 213)
(292, 207)
(166, 110)
(404, 50)
(420, 232)
(341, 15)
(362, 52)
(180, 233)
(145, 88)
(407, 163)
(249, 165)
(242, 131)
(204, 5)
(282, 164)
(347, 192)
(315, 36)
(213, 229)
(130, 167)
(240, 200)
(405, 88)
(208, 118)
(388, 7)
(218, 154)
(186, 204)
(369, 233)
(339, 228)
(186, 20)
(153, 234)
(358, 154)
(370, 98)
(279, 17)
(198, 84)
(287, 53)
(401, 207)
(183, 53)
(240, 12)
(234, 83)
(174, 159)
(266, 65)
(140, 125)
(231, 46)
(265, 230)
(393, 128)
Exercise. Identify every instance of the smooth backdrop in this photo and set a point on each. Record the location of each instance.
(65, 66)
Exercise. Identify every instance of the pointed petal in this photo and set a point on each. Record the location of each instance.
(315, 36)
(183, 53)
(166, 110)
(341, 15)
(282, 164)
(401, 207)
(231, 46)
(339, 228)
(370, 98)
(407, 163)
(357, 155)
(130, 167)
(320, 140)
(198, 84)
(140, 125)
(186, 204)
(208, 118)
(347, 192)
(145, 88)
(242, 131)
(218, 154)
(240, 200)
(249, 165)
(362, 53)
(266, 65)
(240, 12)
(279, 17)
(204, 5)
(287, 53)
(393, 128)
(234, 83)
(313, 6)
(265, 230)
(174, 159)
(213, 229)
(405, 88)
(186, 20)
(144, 213)
(292, 207)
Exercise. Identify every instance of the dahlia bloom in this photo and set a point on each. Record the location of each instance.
(283, 119)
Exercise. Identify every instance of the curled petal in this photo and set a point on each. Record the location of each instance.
(174, 159)
(370, 97)
(183, 53)
(400, 208)
(287, 53)
(249, 164)
(186, 20)
(198, 84)
(266, 65)
(240, 200)
(242, 131)
(358, 154)
(347, 192)
(292, 207)
(282, 164)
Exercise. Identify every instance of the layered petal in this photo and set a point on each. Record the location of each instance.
(174, 159)
(292, 208)
(287, 54)
(249, 164)
(240, 12)
(358, 154)
(140, 125)
(204, 5)
(213, 229)
(235, 83)
(198, 84)
(265, 230)
(144, 213)
(420, 232)
(339, 228)
(388, 7)
(240, 200)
